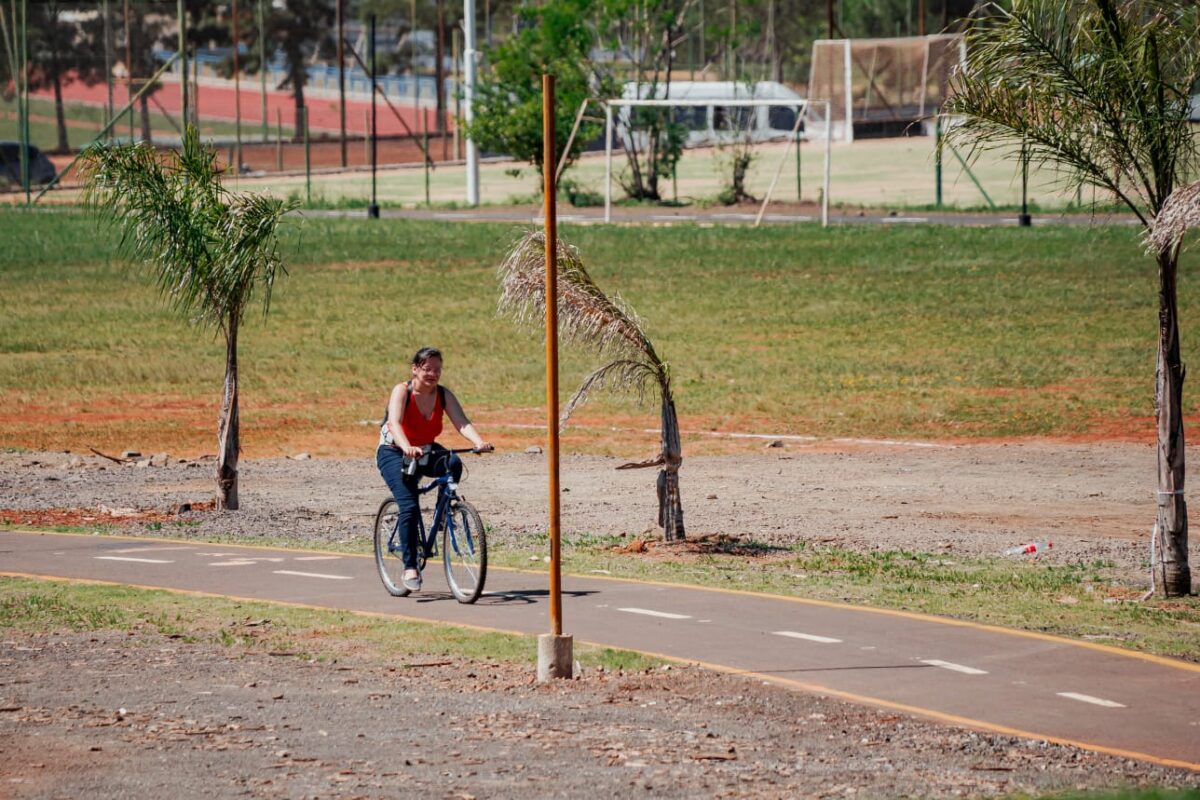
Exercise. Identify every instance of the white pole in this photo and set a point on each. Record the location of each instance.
(849, 137)
(787, 148)
(608, 162)
(828, 148)
(469, 100)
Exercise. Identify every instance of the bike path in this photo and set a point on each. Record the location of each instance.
(1019, 683)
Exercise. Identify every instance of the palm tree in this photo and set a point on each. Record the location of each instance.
(1101, 89)
(210, 250)
(607, 326)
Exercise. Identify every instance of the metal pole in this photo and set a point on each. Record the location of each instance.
(469, 58)
(551, 236)
(456, 77)
(373, 208)
(183, 62)
(608, 124)
(24, 116)
(937, 159)
(129, 73)
(425, 149)
(799, 179)
(279, 139)
(108, 58)
(341, 59)
(237, 95)
(262, 69)
(828, 155)
(1024, 220)
(307, 159)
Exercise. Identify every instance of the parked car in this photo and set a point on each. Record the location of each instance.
(41, 169)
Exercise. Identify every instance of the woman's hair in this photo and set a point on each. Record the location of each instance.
(424, 354)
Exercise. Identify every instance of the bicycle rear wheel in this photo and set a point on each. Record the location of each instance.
(388, 558)
(464, 552)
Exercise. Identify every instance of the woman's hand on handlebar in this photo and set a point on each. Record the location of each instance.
(485, 447)
(411, 451)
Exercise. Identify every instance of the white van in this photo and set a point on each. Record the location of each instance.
(712, 123)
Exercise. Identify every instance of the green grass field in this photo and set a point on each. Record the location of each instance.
(890, 173)
(916, 332)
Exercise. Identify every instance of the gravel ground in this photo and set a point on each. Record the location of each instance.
(1093, 501)
(202, 719)
(141, 716)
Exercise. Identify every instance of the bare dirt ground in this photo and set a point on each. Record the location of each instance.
(230, 722)
(116, 715)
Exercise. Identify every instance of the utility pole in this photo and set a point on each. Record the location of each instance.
(441, 75)
(129, 72)
(108, 65)
(237, 95)
(183, 63)
(262, 67)
(373, 208)
(920, 17)
(469, 100)
(341, 59)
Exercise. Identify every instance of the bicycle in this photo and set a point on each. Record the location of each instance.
(464, 541)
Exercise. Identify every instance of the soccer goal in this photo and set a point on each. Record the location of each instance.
(758, 119)
(884, 87)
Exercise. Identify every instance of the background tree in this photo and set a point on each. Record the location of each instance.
(146, 31)
(555, 38)
(608, 327)
(1101, 89)
(210, 250)
(647, 34)
(55, 57)
(303, 30)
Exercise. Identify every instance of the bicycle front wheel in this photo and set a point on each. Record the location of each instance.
(388, 558)
(464, 552)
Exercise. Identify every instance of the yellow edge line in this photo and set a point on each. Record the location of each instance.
(812, 688)
(1163, 661)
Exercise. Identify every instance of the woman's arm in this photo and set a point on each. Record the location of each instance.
(396, 404)
(458, 418)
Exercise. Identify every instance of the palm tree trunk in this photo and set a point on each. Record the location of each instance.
(670, 505)
(1174, 576)
(227, 428)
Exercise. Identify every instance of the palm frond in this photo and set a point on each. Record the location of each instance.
(209, 250)
(1100, 88)
(619, 375)
(586, 315)
(1179, 214)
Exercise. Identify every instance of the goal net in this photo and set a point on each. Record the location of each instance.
(881, 87)
(717, 113)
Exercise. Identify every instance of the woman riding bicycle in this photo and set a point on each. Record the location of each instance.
(408, 433)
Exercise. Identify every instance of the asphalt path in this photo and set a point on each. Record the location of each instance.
(1011, 682)
(640, 215)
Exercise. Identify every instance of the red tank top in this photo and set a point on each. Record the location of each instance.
(421, 431)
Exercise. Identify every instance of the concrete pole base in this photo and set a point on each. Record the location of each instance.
(554, 657)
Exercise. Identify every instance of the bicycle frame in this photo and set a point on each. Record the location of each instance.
(427, 539)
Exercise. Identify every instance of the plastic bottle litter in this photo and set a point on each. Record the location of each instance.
(1031, 549)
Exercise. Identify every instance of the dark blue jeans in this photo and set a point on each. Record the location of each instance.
(436, 463)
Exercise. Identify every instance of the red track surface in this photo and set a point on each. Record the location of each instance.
(218, 102)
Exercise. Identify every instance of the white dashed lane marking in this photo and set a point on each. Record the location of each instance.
(648, 613)
(313, 575)
(808, 637)
(933, 662)
(154, 549)
(138, 560)
(1087, 698)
